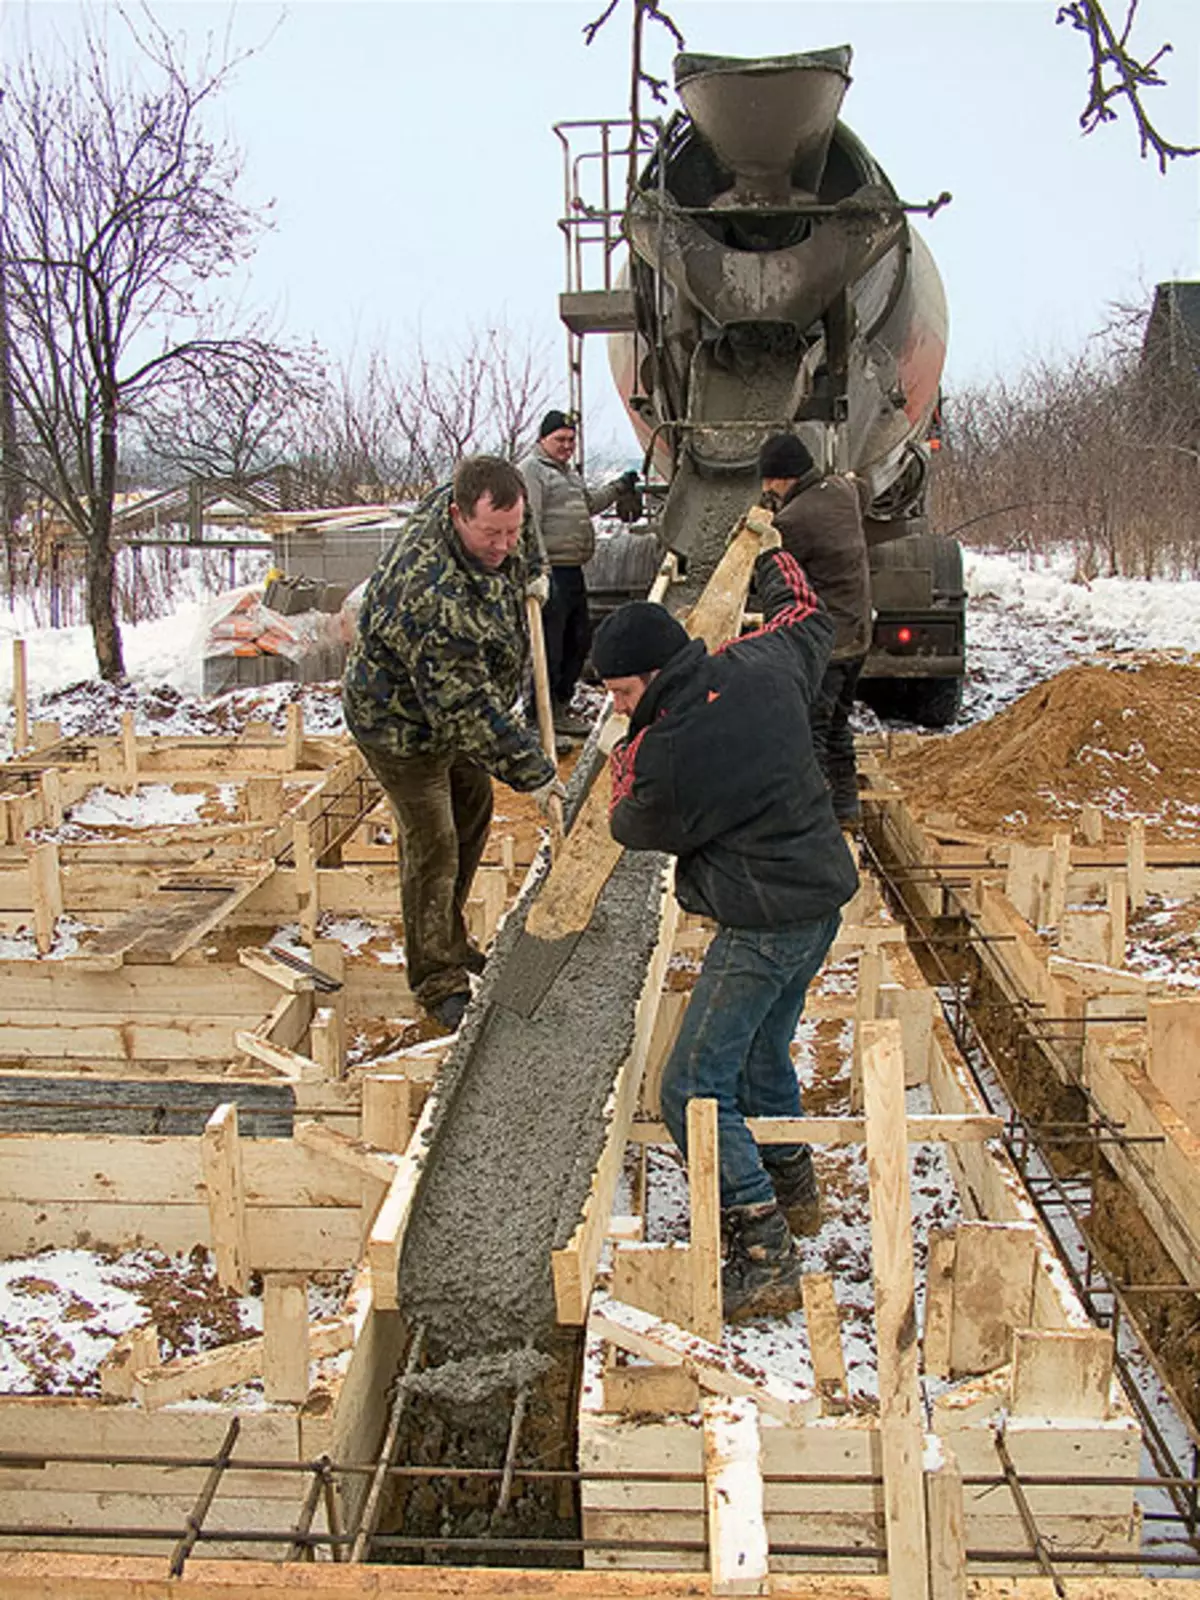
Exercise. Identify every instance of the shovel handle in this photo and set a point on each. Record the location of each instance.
(545, 711)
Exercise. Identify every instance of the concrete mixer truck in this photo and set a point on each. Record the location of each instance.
(755, 271)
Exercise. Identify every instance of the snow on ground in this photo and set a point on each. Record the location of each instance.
(1026, 620)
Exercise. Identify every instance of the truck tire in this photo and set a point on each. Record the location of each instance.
(933, 702)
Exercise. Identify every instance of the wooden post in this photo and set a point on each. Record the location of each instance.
(20, 693)
(294, 736)
(994, 1265)
(329, 957)
(285, 1337)
(939, 1301)
(46, 733)
(50, 788)
(1091, 823)
(704, 1199)
(825, 1342)
(1056, 895)
(129, 759)
(1172, 1050)
(947, 1535)
(326, 1042)
(264, 799)
(866, 1009)
(307, 894)
(221, 1158)
(45, 891)
(1118, 900)
(387, 1110)
(508, 854)
(733, 1487)
(901, 1427)
(133, 1352)
(1135, 863)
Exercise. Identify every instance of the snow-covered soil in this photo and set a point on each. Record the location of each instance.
(1026, 620)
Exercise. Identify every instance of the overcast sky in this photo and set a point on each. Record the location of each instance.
(408, 148)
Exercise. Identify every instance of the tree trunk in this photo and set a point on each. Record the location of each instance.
(12, 489)
(101, 558)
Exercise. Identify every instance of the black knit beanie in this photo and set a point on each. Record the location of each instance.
(639, 637)
(783, 455)
(554, 420)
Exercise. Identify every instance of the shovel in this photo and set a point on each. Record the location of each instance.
(545, 712)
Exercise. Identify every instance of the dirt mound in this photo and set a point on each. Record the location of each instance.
(1125, 737)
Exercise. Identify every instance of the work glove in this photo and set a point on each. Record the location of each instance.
(628, 503)
(539, 588)
(546, 792)
(759, 522)
(628, 480)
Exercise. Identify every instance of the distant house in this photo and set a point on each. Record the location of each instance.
(1171, 357)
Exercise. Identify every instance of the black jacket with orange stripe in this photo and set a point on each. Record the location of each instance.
(718, 768)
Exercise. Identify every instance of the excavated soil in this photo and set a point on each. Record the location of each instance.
(1124, 737)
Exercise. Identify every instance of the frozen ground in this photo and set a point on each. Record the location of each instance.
(1026, 620)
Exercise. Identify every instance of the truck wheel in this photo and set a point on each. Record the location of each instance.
(934, 702)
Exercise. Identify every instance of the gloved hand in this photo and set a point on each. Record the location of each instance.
(546, 792)
(628, 480)
(769, 539)
(539, 588)
(759, 522)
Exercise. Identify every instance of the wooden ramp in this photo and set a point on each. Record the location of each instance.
(177, 915)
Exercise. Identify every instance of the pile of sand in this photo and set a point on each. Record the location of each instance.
(1125, 737)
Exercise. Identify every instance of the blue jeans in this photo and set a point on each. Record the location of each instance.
(733, 1045)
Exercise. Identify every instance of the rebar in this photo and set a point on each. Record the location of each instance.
(195, 1522)
(370, 1513)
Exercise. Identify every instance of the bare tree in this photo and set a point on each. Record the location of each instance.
(119, 212)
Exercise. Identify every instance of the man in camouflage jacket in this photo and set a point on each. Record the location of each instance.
(431, 695)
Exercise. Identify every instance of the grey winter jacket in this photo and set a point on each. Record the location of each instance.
(562, 507)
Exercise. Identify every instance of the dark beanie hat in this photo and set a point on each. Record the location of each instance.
(639, 637)
(783, 455)
(554, 420)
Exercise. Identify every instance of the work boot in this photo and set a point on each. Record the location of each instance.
(571, 726)
(795, 1185)
(762, 1272)
(449, 1012)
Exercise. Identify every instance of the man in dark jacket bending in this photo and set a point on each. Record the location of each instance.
(820, 521)
(718, 770)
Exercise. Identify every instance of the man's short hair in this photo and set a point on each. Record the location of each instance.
(475, 476)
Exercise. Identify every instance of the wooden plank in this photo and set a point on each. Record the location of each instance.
(901, 1424)
(947, 1525)
(656, 1278)
(1066, 1373)
(45, 891)
(704, 1201)
(993, 1292)
(737, 1525)
(574, 1266)
(224, 1179)
(716, 1372)
(20, 695)
(938, 1128)
(293, 738)
(188, 1377)
(354, 1153)
(825, 1342)
(264, 963)
(133, 1352)
(326, 1042)
(386, 1239)
(285, 1337)
(129, 753)
(1135, 868)
(172, 921)
(939, 1301)
(386, 1110)
(1172, 1052)
(295, 1067)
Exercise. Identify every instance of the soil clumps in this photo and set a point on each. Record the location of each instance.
(1124, 737)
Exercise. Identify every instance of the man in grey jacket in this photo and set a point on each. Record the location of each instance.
(819, 517)
(562, 507)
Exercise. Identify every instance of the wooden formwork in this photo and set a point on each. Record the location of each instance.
(1054, 921)
(1005, 1341)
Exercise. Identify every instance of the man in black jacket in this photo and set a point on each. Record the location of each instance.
(718, 770)
(819, 518)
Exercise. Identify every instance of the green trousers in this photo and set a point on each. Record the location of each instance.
(443, 805)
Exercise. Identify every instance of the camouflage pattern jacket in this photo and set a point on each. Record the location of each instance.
(439, 659)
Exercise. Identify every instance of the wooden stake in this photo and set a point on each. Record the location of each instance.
(733, 1487)
(825, 1342)
(1056, 895)
(939, 1301)
(307, 893)
(50, 788)
(129, 757)
(508, 854)
(45, 890)
(386, 1110)
(866, 1009)
(900, 1420)
(46, 733)
(1135, 856)
(327, 1044)
(1118, 900)
(20, 692)
(285, 1337)
(134, 1351)
(704, 1199)
(264, 799)
(221, 1159)
(1091, 823)
(294, 736)
(1065, 1373)
(947, 1533)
